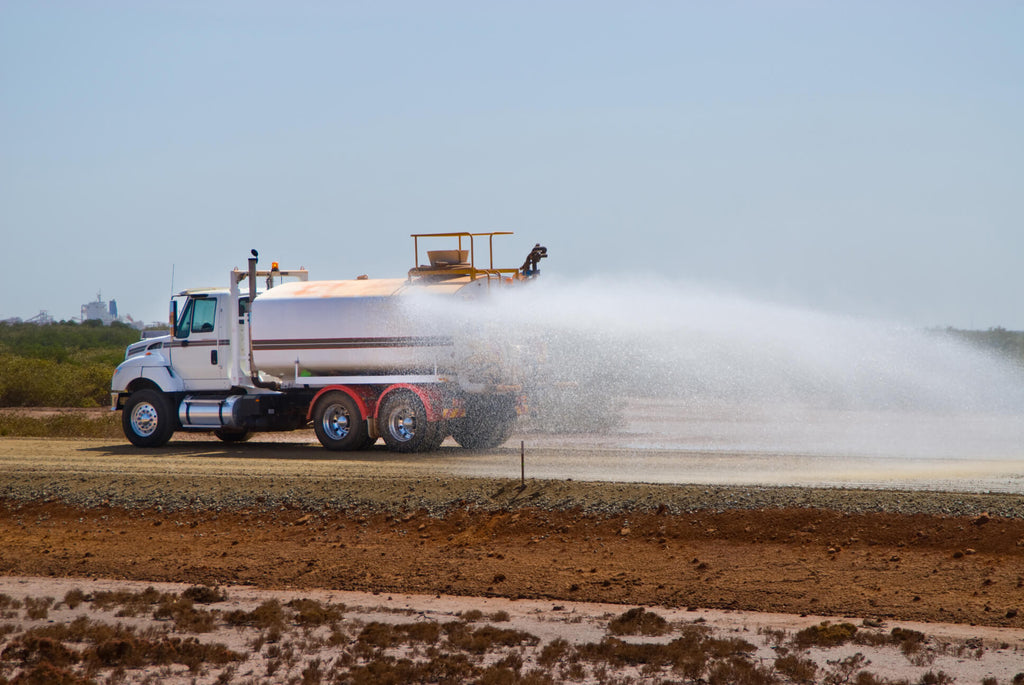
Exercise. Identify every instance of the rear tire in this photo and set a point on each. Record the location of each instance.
(402, 422)
(148, 418)
(487, 424)
(338, 423)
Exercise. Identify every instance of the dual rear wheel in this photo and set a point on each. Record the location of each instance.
(401, 421)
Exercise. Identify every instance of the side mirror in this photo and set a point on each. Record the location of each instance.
(174, 318)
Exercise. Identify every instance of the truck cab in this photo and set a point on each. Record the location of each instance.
(200, 347)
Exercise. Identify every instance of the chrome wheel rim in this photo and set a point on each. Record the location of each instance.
(145, 419)
(337, 422)
(402, 423)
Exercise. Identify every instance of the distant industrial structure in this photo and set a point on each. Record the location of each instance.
(105, 312)
(42, 318)
(97, 310)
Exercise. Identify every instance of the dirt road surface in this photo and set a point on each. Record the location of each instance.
(292, 516)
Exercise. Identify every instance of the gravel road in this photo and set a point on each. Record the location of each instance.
(209, 474)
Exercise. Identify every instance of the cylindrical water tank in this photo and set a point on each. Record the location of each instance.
(357, 327)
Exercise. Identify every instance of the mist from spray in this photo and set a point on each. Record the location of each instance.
(591, 352)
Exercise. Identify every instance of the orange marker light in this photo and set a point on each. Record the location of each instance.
(274, 267)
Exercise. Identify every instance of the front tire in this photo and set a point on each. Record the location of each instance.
(148, 418)
(338, 423)
(402, 422)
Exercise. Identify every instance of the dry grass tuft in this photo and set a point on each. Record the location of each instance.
(309, 612)
(799, 670)
(43, 650)
(377, 635)
(485, 638)
(129, 603)
(37, 608)
(268, 616)
(554, 652)
(454, 668)
(187, 619)
(638, 622)
(74, 598)
(824, 634)
(201, 594)
(694, 655)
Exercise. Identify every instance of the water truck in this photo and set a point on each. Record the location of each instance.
(357, 359)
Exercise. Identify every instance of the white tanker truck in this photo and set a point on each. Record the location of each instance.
(352, 358)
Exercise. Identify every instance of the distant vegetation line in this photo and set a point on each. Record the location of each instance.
(1008, 343)
(60, 365)
(70, 365)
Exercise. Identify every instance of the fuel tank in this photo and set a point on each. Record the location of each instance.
(358, 327)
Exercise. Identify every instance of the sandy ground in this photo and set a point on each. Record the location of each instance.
(303, 521)
(971, 653)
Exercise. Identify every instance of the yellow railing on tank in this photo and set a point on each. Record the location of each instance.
(462, 268)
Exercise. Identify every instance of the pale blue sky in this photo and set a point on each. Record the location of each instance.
(863, 158)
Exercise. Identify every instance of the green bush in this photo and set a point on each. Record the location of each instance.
(32, 382)
(60, 365)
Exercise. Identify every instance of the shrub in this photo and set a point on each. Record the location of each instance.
(130, 603)
(201, 594)
(37, 608)
(797, 669)
(309, 612)
(825, 635)
(553, 652)
(485, 638)
(740, 672)
(638, 622)
(73, 598)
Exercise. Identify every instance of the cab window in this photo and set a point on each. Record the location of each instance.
(198, 317)
(203, 313)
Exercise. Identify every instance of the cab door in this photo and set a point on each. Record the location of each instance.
(196, 348)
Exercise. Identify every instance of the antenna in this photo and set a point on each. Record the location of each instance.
(172, 280)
